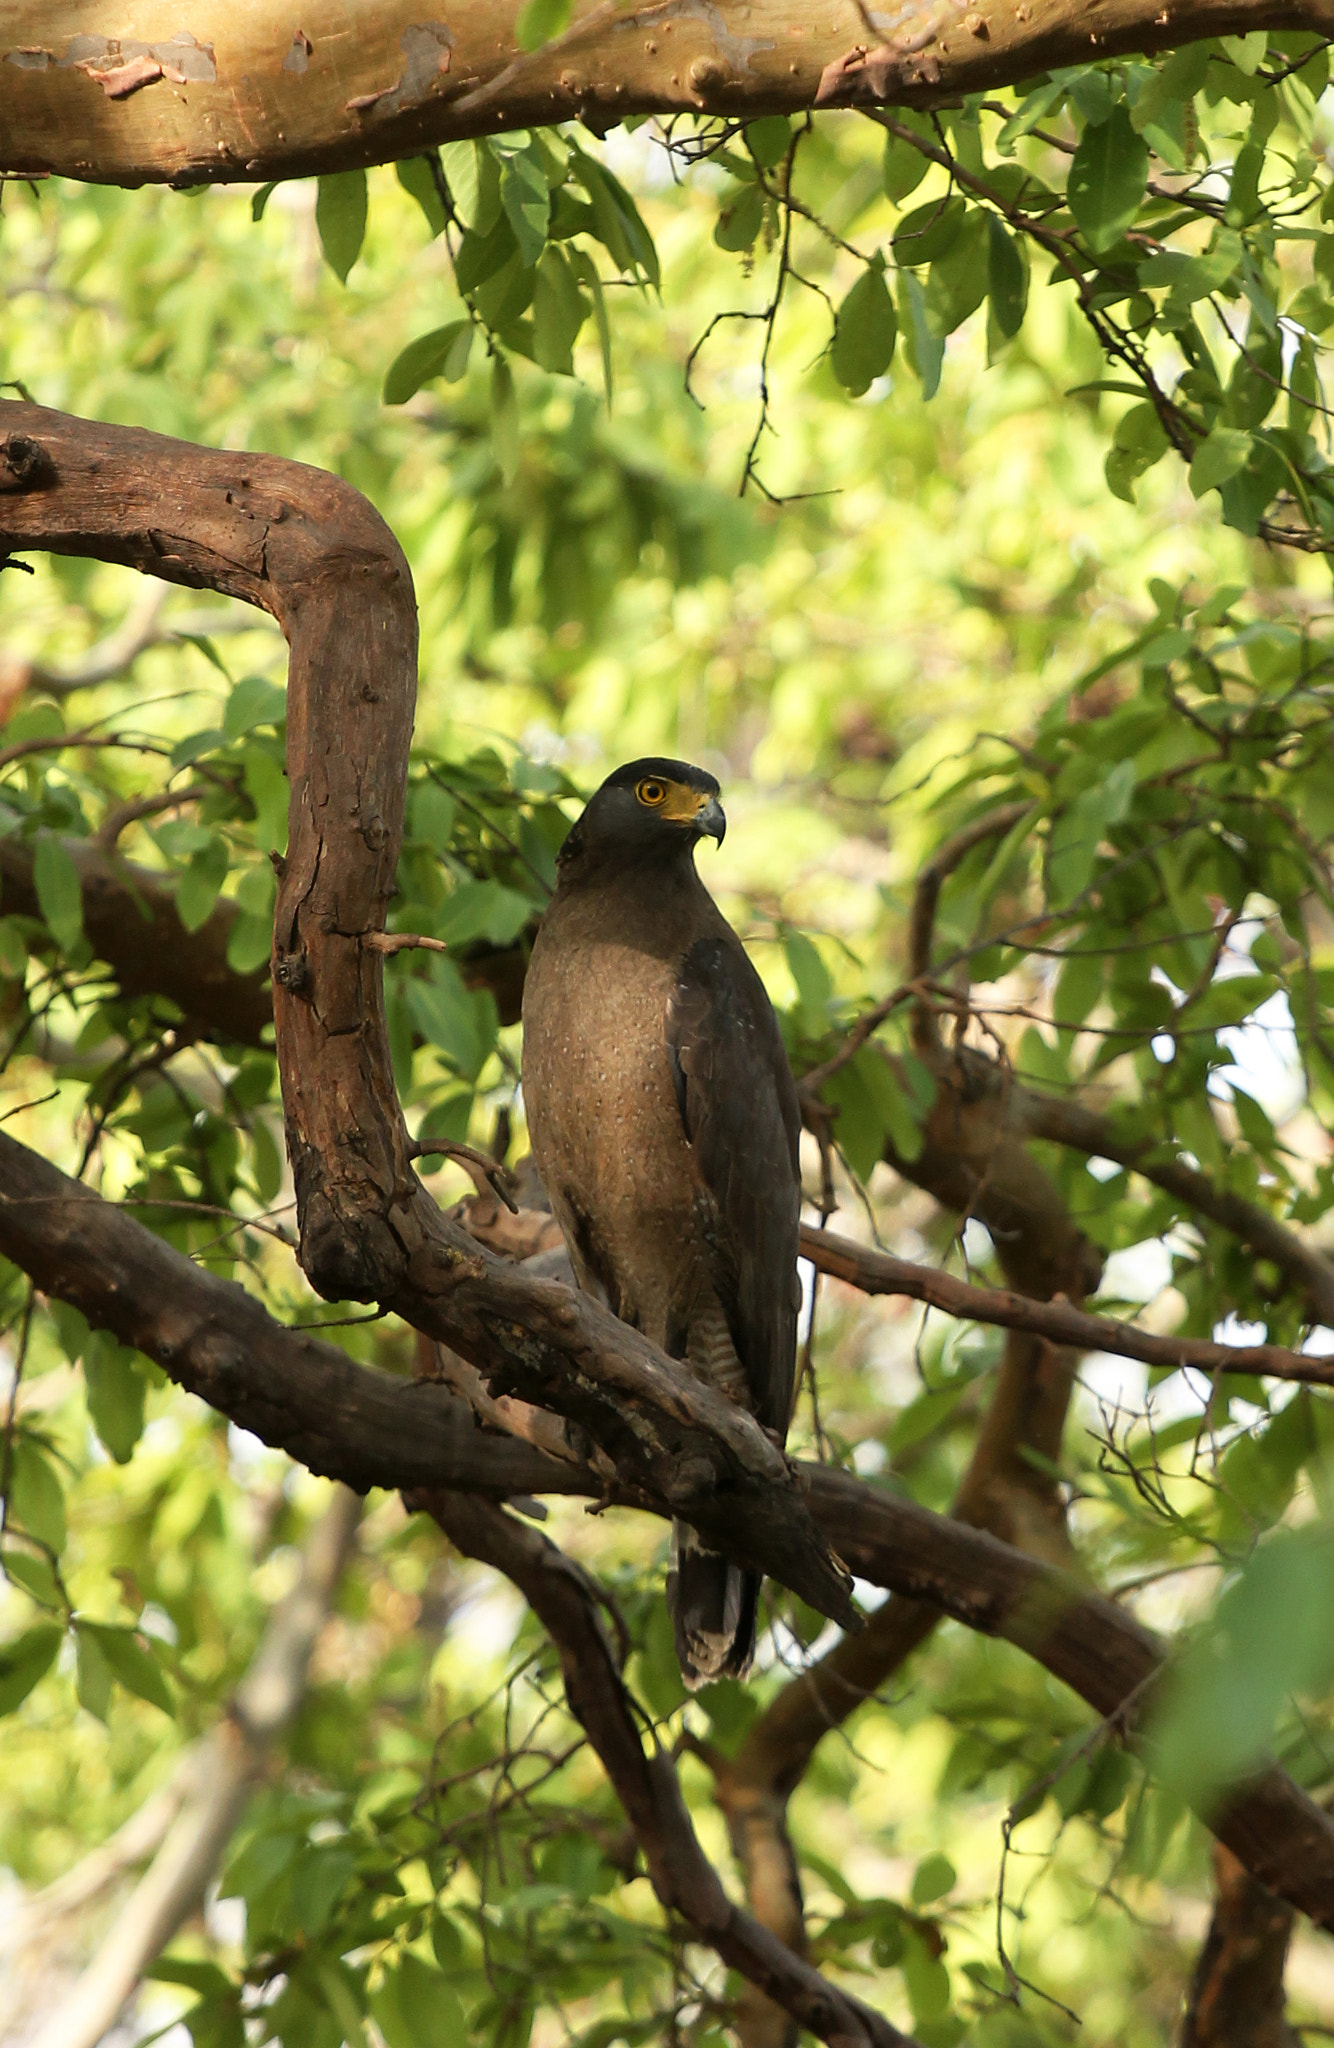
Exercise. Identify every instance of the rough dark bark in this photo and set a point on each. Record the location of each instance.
(245, 92)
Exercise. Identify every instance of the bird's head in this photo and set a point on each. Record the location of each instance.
(648, 810)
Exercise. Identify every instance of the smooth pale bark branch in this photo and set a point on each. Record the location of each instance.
(1060, 1322)
(244, 91)
(367, 1428)
(566, 1603)
(230, 1761)
(306, 547)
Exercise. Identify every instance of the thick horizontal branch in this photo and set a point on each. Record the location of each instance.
(1058, 1321)
(674, 1440)
(247, 92)
(353, 1423)
(682, 1877)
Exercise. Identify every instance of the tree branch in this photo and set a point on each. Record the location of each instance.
(129, 915)
(683, 1879)
(1058, 1321)
(116, 653)
(239, 95)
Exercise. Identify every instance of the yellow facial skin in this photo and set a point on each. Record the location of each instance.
(675, 800)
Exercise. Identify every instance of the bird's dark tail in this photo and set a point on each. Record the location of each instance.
(713, 1606)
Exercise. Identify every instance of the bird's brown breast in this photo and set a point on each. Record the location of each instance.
(603, 1119)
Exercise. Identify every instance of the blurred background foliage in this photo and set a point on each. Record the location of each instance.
(976, 573)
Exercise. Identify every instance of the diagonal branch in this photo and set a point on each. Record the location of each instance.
(682, 1877)
(1058, 1321)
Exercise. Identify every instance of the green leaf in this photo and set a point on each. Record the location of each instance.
(1080, 829)
(132, 1661)
(811, 976)
(441, 353)
(484, 910)
(417, 2006)
(1246, 52)
(1108, 173)
(928, 232)
(253, 701)
(448, 1016)
(957, 284)
(618, 224)
(417, 178)
(199, 885)
(92, 1673)
(865, 331)
(559, 311)
(934, 1876)
(740, 221)
(904, 166)
(539, 21)
(768, 139)
(467, 167)
(13, 951)
(1217, 458)
(33, 1573)
(25, 1660)
(586, 271)
(859, 1129)
(259, 200)
(340, 216)
(1269, 1637)
(36, 1499)
(1243, 201)
(925, 351)
(1139, 440)
(59, 894)
(526, 198)
(1007, 278)
(116, 1390)
(1032, 110)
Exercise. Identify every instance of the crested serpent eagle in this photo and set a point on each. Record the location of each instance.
(664, 1124)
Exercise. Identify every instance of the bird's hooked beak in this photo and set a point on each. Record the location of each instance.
(712, 821)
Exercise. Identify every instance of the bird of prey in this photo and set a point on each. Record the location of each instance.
(664, 1123)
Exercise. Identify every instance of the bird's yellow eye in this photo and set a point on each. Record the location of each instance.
(652, 793)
